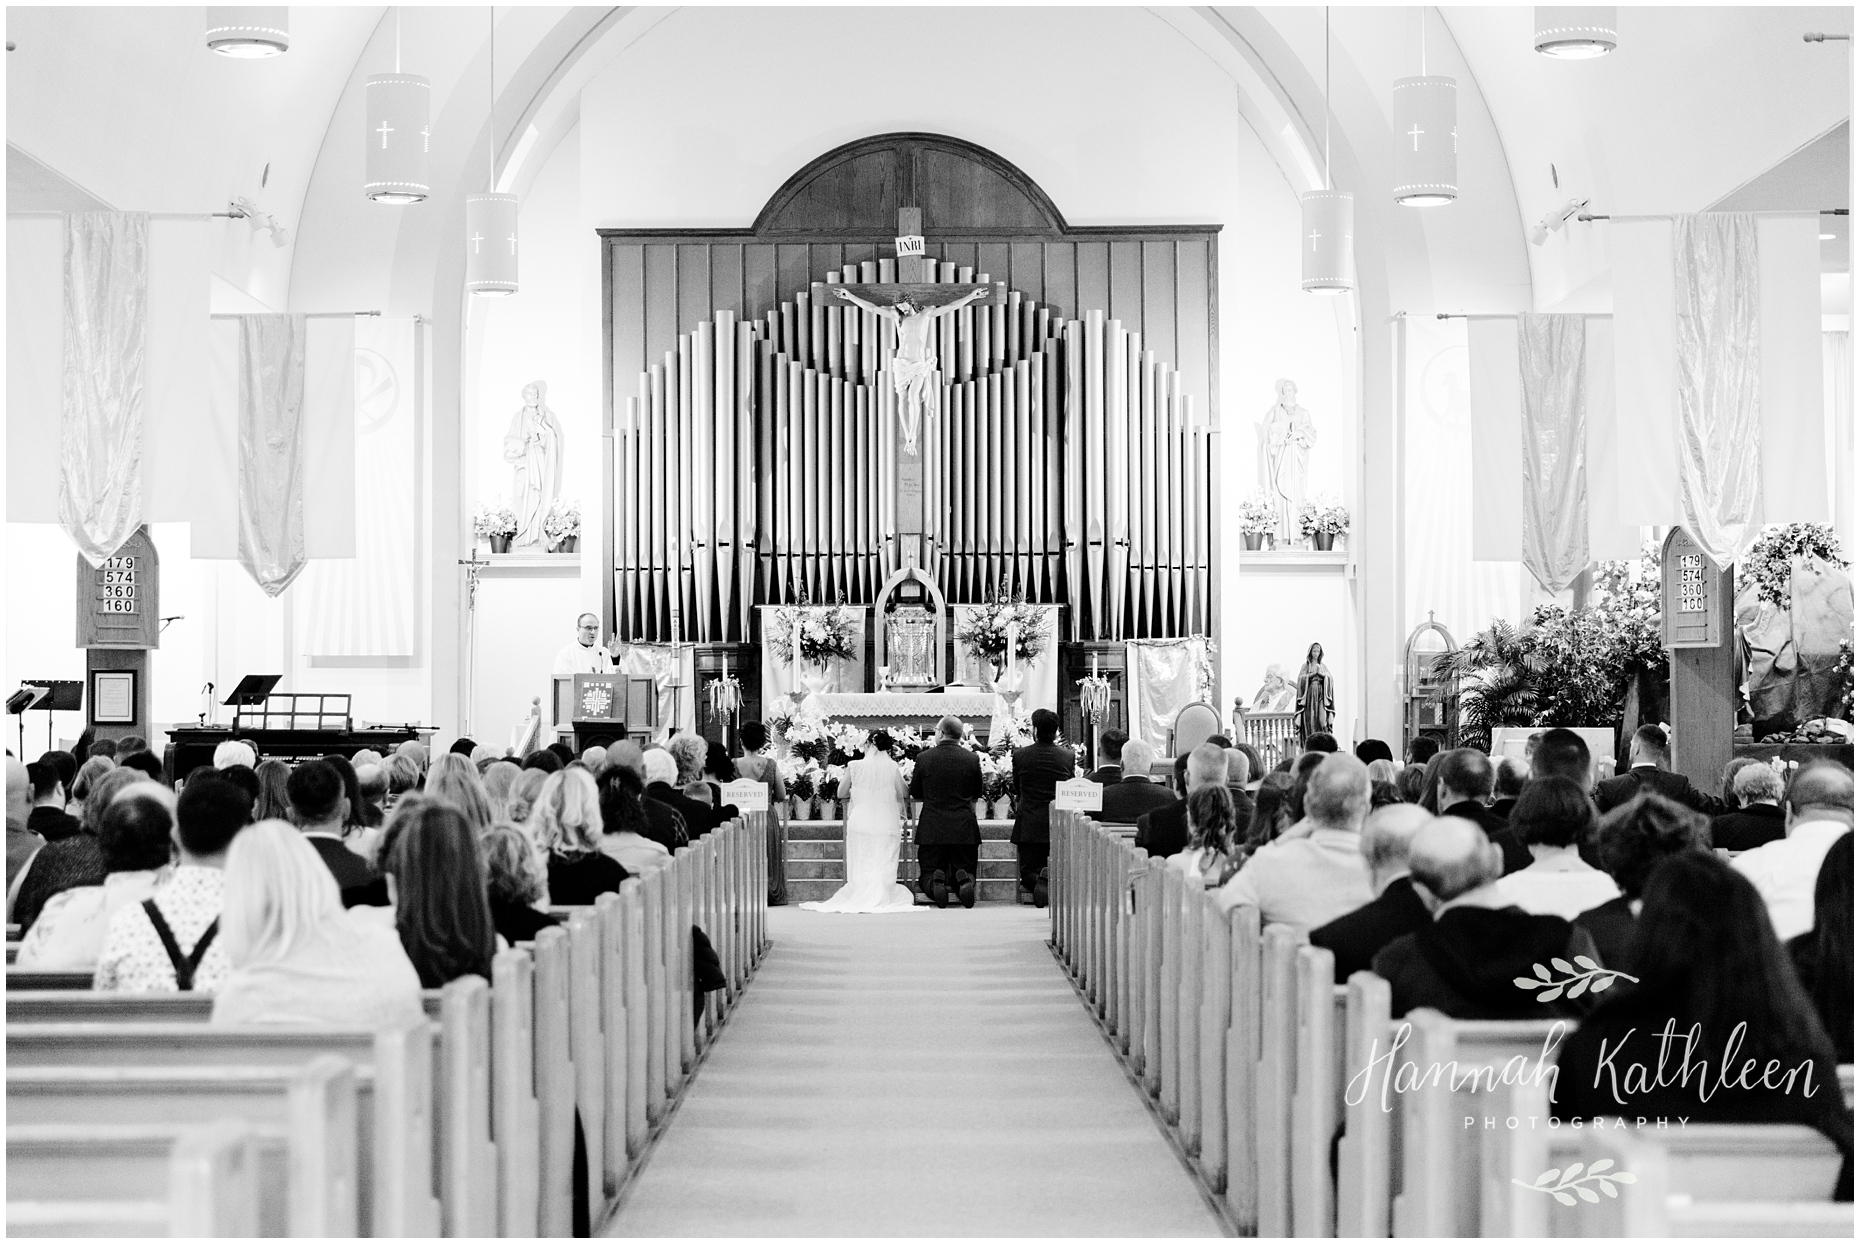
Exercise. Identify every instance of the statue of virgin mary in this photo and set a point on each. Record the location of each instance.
(533, 447)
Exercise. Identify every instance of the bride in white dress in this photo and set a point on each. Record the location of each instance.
(874, 828)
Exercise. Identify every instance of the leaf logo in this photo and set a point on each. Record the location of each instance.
(1567, 1185)
(1585, 976)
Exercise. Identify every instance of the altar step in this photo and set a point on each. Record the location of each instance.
(817, 863)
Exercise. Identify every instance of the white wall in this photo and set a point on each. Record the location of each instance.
(1116, 116)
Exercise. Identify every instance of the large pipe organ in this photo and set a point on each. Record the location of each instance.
(755, 436)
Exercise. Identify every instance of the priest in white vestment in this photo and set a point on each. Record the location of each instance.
(584, 656)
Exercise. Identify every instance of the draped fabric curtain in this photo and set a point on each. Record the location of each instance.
(1165, 676)
(1718, 381)
(104, 398)
(1040, 676)
(779, 677)
(271, 458)
(1556, 503)
(1837, 369)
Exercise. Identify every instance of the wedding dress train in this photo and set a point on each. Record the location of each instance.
(874, 828)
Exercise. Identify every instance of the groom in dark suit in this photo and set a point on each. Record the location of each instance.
(947, 780)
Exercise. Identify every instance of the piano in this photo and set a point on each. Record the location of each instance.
(286, 726)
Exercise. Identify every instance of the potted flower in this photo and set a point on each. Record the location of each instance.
(1258, 520)
(827, 789)
(801, 793)
(562, 526)
(496, 523)
(998, 784)
(1323, 521)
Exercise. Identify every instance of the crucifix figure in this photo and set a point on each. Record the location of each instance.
(911, 305)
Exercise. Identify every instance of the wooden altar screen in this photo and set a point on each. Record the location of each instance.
(750, 420)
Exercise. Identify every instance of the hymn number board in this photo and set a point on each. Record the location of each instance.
(1690, 589)
(118, 605)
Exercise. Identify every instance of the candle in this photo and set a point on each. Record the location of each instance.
(1094, 665)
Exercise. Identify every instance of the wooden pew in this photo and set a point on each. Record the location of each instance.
(394, 1074)
(1278, 1041)
(313, 1106)
(585, 1048)
(634, 983)
(1243, 1036)
(45, 978)
(555, 1084)
(1216, 1034)
(515, 1135)
(1365, 1159)
(138, 1179)
(1317, 1091)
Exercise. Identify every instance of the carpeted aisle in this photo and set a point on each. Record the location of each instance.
(916, 1074)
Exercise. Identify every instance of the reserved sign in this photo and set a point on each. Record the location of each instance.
(1078, 795)
(747, 794)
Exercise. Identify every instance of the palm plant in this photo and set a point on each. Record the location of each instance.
(1497, 677)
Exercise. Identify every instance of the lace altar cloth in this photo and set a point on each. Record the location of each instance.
(899, 705)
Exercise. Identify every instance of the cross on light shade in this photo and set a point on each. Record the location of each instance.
(1316, 237)
(476, 239)
(426, 134)
(1415, 134)
(384, 130)
(512, 239)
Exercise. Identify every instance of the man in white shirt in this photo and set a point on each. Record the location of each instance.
(1311, 880)
(1819, 809)
(584, 656)
(136, 957)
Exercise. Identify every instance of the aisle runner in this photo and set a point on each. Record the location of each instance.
(935, 1079)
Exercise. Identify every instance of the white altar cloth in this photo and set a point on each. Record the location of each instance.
(897, 705)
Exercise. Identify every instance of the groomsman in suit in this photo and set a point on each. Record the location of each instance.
(1038, 768)
(1648, 770)
(947, 781)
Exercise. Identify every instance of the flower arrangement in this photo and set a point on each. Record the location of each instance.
(829, 634)
(828, 782)
(985, 632)
(1844, 671)
(810, 737)
(563, 519)
(799, 776)
(493, 520)
(1257, 515)
(1769, 562)
(997, 778)
(1323, 517)
(847, 743)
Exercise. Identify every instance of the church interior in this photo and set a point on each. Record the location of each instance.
(1289, 547)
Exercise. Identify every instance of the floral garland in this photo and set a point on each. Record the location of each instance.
(985, 632)
(828, 633)
(1770, 560)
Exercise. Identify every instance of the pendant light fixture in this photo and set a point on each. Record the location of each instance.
(1569, 33)
(249, 33)
(1327, 217)
(1427, 136)
(399, 133)
(491, 218)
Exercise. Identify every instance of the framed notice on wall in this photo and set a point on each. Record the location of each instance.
(113, 697)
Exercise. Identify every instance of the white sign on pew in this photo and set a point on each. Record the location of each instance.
(748, 795)
(1078, 795)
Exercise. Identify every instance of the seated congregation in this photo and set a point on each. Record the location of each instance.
(1403, 1001)
(514, 962)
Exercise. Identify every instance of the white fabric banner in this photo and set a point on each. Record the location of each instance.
(1645, 403)
(104, 394)
(328, 441)
(1719, 379)
(1795, 481)
(1837, 364)
(1497, 440)
(1166, 676)
(779, 678)
(1611, 538)
(1555, 442)
(368, 605)
(1040, 688)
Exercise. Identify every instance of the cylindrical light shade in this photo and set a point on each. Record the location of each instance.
(491, 244)
(1427, 161)
(1575, 33)
(1328, 241)
(249, 32)
(398, 137)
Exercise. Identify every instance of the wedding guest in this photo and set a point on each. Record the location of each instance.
(404, 775)
(1819, 808)
(664, 823)
(1383, 770)
(1410, 783)
(441, 904)
(48, 817)
(74, 861)
(662, 784)
(1824, 956)
(1369, 751)
(1631, 840)
(691, 752)
(137, 955)
(718, 769)
(595, 757)
(319, 810)
(521, 800)
(1300, 771)
(515, 884)
(1563, 753)
(1508, 778)
(1705, 956)
(1322, 741)
(545, 760)
(1311, 880)
(296, 956)
(1110, 757)
(1355, 938)
(1758, 791)
(1648, 770)
(1126, 800)
(753, 766)
(566, 827)
(1464, 779)
(1430, 784)
(1240, 778)
(1421, 749)
(1271, 815)
(1209, 859)
(245, 779)
(1554, 818)
(1732, 768)
(454, 780)
(86, 778)
(1164, 831)
(274, 801)
(626, 832)
(498, 779)
(233, 752)
(372, 782)
(135, 841)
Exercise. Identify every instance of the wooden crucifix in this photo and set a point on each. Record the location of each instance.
(911, 304)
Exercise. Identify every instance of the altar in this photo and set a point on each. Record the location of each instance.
(905, 708)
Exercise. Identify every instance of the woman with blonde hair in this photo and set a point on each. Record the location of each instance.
(566, 827)
(454, 779)
(297, 956)
(499, 777)
(521, 800)
(515, 883)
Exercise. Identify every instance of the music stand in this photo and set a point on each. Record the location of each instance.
(253, 690)
(53, 695)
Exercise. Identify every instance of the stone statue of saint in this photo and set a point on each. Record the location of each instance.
(1286, 436)
(1317, 695)
(533, 447)
(913, 367)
